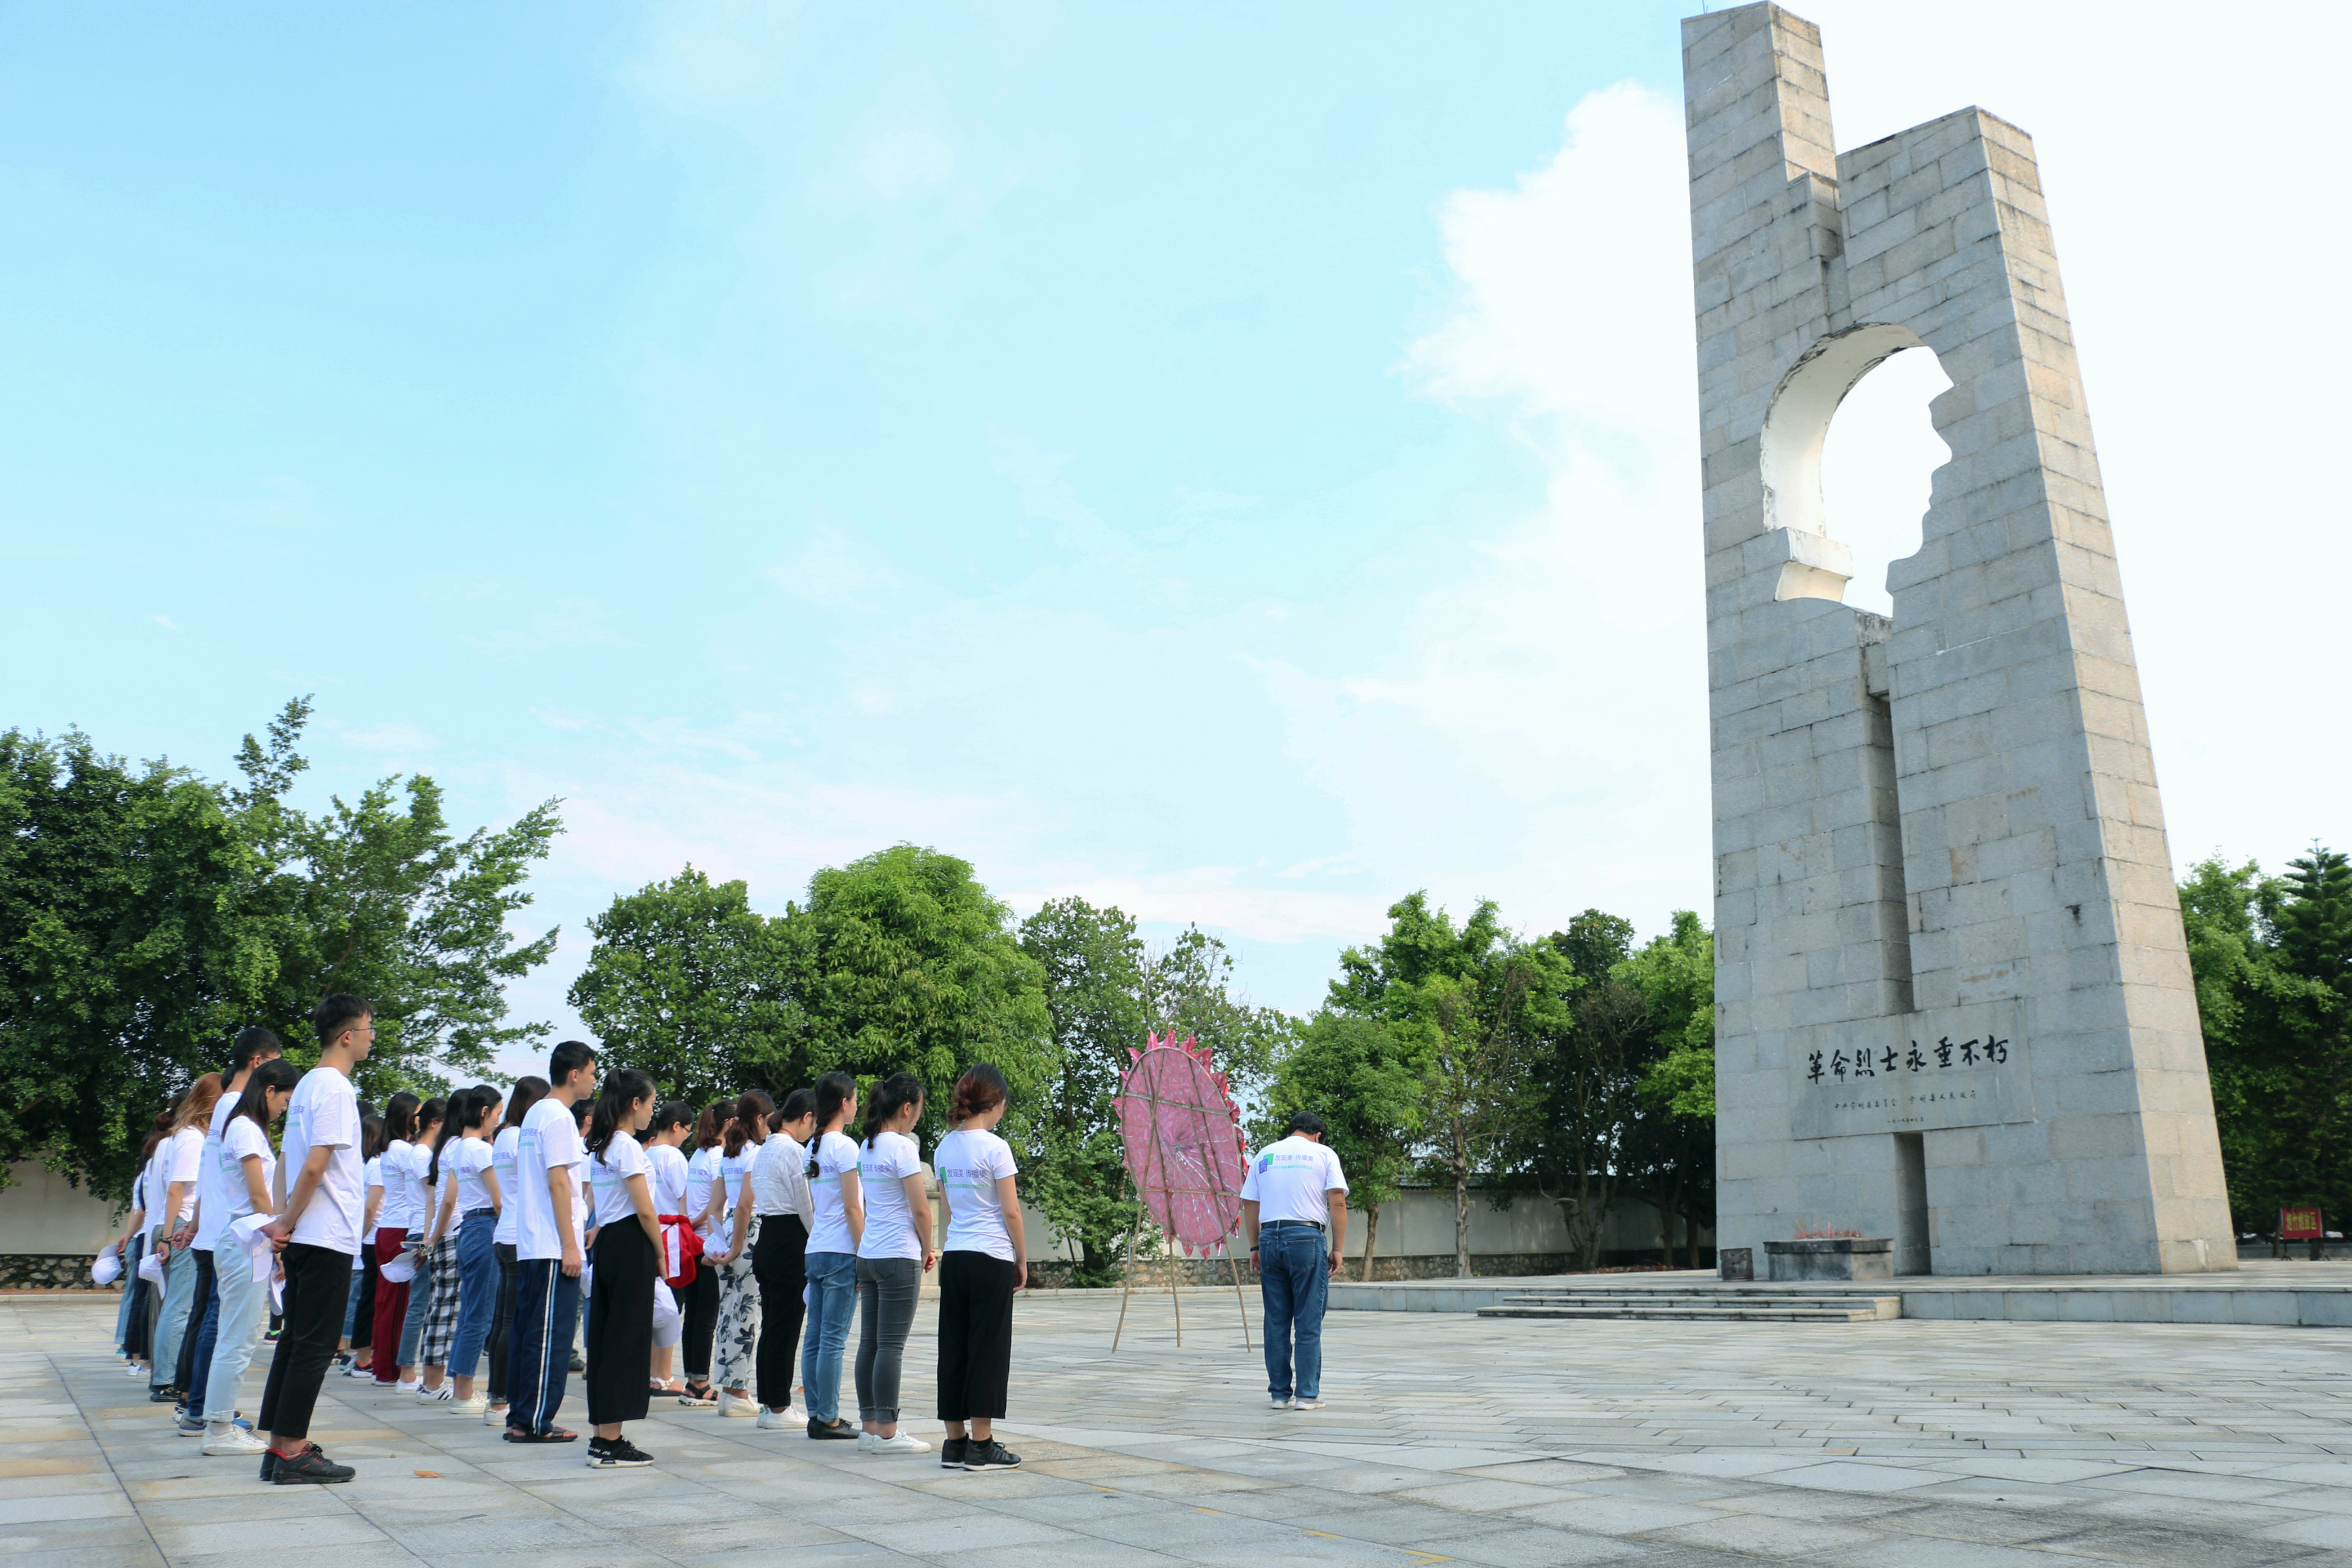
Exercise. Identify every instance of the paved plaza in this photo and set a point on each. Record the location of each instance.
(1906, 1443)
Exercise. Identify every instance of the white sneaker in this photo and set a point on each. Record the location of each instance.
(231, 1440)
(496, 1415)
(904, 1443)
(1281, 1401)
(411, 1386)
(445, 1394)
(367, 1372)
(796, 1417)
(1307, 1405)
(866, 1441)
(785, 1420)
(473, 1406)
(134, 1370)
(735, 1405)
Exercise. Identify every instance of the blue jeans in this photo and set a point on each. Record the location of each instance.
(205, 1321)
(1294, 1279)
(130, 1283)
(547, 1303)
(244, 1310)
(477, 1289)
(833, 1301)
(420, 1302)
(172, 1321)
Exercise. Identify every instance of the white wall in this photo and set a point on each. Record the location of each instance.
(40, 1214)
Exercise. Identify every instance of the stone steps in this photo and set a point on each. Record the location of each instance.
(1728, 1306)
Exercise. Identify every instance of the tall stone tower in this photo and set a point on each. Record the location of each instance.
(1953, 1000)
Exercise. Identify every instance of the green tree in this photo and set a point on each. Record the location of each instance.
(1574, 1143)
(902, 961)
(687, 984)
(1188, 990)
(1093, 966)
(2273, 999)
(129, 948)
(1481, 1003)
(1672, 1142)
(1369, 1084)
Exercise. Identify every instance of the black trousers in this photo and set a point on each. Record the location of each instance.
(502, 1318)
(975, 1335)
(620, 1350)
(776, 1263)
(699, 1305)
(184, 1376)
(318, 1282)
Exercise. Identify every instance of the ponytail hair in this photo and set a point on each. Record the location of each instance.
(196, 1105)
(899, 1090)
(711, 1125)
(833, 1090)
(444, 1112)
(799, 1104)
(253, 1101)
(400, 1118)
(528, 1092)
(623, 1087)
(371, 1139)
(753, 1107)
(979, 1090)
(669, 1113)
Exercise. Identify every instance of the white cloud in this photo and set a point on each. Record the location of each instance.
(393, 736)
(165, 622)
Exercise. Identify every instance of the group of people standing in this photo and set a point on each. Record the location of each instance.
(476, 1226)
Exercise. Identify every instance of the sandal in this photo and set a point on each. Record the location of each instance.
(552, 1435)
(699, 1396)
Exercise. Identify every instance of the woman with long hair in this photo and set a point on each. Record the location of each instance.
(359, 1312)
(425, 1207)
(476, 1199)
(182, 1159)
(830, 1264)
(248, 1164)
(698, 1303)
(619, 1338)
(780, 1193)
(738, 1288)
(136, 1318)
(985, 1260)
(672, 1125)
(893, 1256)
(393, 1220)
(528, 1092)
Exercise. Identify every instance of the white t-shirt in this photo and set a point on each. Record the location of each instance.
(737, 1170)
(326, 1111)
(151, 1190)
(701, 1170)
(882, 1170)
(1288, 1180)
(669, 1179)
(502, 1165)
(779, 1178)
(399, 1210)
(621, 1158)
(372, 1176)
(970, 1164)
(550, 1140)
(465, 1163)
(212, 1196)
(183, 1161)
(242, 1138)
(835, 1153)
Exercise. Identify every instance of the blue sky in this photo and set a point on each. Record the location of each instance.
(1229, 461)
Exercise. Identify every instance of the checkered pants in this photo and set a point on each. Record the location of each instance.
(441, 1317)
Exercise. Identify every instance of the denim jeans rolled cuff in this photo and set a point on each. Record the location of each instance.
(477, 1289)
(1294, 1282)
(243, 1312)
(204, 1330)
(420, 1302)
(832, 1299)
(888, 1289)
(172, 1321)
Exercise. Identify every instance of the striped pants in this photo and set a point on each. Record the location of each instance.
(441, 1313)
(547, 1303)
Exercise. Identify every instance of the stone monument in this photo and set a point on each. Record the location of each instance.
(1953, 1001)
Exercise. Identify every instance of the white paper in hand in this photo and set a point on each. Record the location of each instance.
(245, 1231)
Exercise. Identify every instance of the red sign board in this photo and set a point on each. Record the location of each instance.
(2301, 1225)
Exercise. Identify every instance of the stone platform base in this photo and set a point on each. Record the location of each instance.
(2287, 1294)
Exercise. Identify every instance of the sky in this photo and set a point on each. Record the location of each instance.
(1236, 463)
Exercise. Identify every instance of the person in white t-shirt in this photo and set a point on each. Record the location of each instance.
(395, 1217)
(475, 1199)
(317, 1234)
(1295, 1208)
(672, 1125)
(528, 1092)
(895, 1253)
(739, 1287)
(424, 1238)
(252, 1048)
(620, 1337)
(706, 1196)
(182, 1159)
(778, 1194)
(247, 1170)
(984, 1262)
(548, 1229)
(831, 1262)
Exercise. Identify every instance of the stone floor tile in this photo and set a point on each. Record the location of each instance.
(1614, 1516)
(2333, 1531)
(950, 1537)
(1766, 1535)
(1525, 1547)
(110, 1504)
(306, 1532)
(2156, 1546)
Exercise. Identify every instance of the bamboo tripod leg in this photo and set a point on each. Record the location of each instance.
(1240, 1300)
(1126, 1274)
